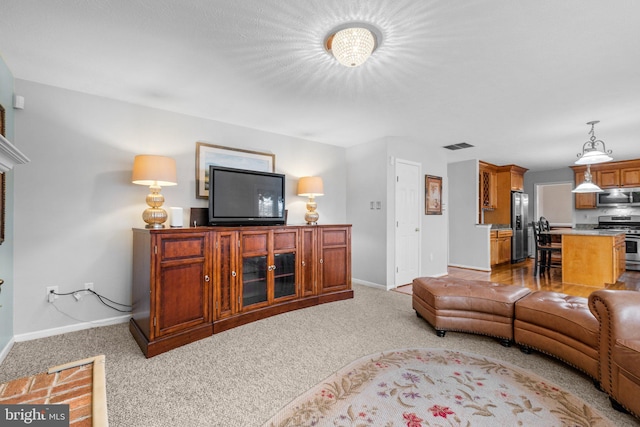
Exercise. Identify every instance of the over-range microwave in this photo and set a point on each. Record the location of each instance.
(618, 197)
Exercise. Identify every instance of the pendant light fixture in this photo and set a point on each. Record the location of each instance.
(591, 154)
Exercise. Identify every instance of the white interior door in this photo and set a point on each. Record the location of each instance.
(408, 213)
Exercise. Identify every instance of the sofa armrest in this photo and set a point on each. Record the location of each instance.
(618, 314)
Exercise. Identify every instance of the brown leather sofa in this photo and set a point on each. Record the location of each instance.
(618, 314)
(599, 335)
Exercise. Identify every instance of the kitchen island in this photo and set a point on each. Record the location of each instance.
(591, 257)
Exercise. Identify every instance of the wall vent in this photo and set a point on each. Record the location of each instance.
(459, 146)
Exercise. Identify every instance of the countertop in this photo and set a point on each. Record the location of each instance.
(585, 232)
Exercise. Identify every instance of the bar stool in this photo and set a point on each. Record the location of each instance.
(544, 249)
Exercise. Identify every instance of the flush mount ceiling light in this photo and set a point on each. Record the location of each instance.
(352, 44)
(591, 154)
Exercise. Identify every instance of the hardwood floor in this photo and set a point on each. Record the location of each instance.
(522, 274)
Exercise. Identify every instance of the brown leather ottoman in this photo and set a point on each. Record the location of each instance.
(475, 306)
(561, 326)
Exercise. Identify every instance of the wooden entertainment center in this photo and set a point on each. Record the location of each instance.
(190, 283)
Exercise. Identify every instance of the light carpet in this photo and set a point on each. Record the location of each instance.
(427, 387)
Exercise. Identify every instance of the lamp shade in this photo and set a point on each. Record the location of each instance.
(592, 157)
(154, 170)
(587, 187)
(310, 186)
(352, 46)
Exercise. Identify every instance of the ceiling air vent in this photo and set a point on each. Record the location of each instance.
(459, 146)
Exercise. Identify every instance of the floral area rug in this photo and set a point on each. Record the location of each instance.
(435, 387)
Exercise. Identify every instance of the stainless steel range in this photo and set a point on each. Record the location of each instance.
(630, 225)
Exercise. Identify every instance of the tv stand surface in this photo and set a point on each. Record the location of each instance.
(190, 283)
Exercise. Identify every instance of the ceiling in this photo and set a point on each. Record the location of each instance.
(516, 79)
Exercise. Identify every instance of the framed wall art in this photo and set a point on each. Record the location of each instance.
(217, 155)
(433, 195)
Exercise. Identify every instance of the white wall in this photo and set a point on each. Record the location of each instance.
(75, 204)
(371, 178)
(366, 183)
(6, 249)
(469, 245)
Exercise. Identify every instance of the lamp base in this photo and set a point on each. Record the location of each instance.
(311, 216)
(154, 217)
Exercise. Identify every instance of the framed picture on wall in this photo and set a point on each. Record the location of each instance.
(433, 195)
(217, 155)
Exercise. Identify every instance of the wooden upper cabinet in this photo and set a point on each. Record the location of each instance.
(608, 178)
(517, 177)
(584, 200)
(624, 173)
(488, 183)
(630, 177)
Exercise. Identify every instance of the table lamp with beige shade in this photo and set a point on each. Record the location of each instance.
(311, 186)
(156, 172)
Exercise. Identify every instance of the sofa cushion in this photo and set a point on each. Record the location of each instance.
(564, 314)
(468, 295)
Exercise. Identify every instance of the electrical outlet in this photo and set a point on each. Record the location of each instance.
(88, 286)
(50, 293)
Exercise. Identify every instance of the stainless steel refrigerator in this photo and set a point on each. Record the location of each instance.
(519, 221)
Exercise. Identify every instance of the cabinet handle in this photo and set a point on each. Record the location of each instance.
(206, 277)
(233, 274)
(321, 261)
(304, 264)
(273, 267)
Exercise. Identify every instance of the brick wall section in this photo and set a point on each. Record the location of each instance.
(71, 386)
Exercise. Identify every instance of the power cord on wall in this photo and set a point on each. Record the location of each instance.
(100, 297)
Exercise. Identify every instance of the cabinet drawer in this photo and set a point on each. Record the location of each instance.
(177, 248)
(335, 237)
(255, 243)
(505, 233)
(283, 240)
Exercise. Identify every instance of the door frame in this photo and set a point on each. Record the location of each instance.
(395, 219)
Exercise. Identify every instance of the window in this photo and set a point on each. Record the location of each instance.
(555, 202)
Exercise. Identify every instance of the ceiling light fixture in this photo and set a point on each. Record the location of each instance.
(590, 153)
(352, 44)
(587, 186)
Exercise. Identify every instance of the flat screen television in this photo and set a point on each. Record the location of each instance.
(245, 197)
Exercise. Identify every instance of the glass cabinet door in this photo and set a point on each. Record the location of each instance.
(254, 280)
(284, 275)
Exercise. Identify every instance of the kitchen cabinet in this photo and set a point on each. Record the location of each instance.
(508, 178)
(630, 176)
(488, 183)
(500, 246)
(190, 283)
(592, 258)
(624, 173)
(608, 178)
(583, 200)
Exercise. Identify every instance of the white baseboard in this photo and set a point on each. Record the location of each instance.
(5, 351)
(470, 267)
(72, 328)
(370, 284)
